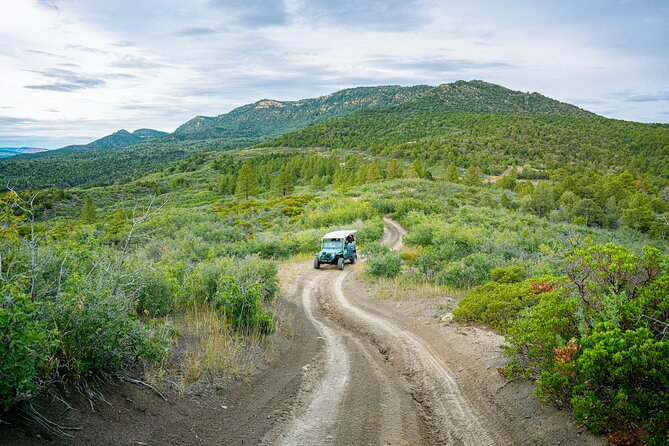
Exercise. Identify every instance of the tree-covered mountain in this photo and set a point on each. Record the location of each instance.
(483, 97)
(464, 123)
(491, 127)
(267, 118)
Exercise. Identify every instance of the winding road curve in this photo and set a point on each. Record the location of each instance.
(436, 412)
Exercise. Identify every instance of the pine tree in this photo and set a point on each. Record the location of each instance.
(88, 212)
(284, 182)
(247, 182)
(419, 168)
(340, 181)
(394, 170)
(472, 177)
(373, 174)
(452, 174)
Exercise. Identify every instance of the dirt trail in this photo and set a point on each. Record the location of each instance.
(356, 371)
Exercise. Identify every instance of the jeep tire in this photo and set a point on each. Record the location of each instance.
(317, 262)
(354, 258)
(340, 263)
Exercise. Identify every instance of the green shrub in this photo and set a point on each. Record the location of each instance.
(383, 262)
(154, 293)
(533, 337)
(507, 274)
(467, 272)
(619, 381)
(499, 304)
(25, 345)
(242, 306)
(99, 333)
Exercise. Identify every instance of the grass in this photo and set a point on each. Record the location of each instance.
(208, 354)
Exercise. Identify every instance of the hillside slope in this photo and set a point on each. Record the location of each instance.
(464, 123)
(476, 123)
(267, 118)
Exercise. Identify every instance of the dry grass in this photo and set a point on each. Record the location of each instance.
(209, 354)
(399, 289)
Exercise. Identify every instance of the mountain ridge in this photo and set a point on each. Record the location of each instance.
(451, 121)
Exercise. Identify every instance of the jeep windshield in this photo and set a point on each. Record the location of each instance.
(332, 244)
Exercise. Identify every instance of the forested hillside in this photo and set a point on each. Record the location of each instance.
(267, 118)
(464, 122)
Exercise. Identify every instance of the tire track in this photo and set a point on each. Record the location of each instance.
(461, 424)
(312, 425)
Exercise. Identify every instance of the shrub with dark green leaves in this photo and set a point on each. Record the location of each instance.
(25, 345)
(600, 344)
(618, 380)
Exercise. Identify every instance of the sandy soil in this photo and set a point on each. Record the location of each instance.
(356, 371)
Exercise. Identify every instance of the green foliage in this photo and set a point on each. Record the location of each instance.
(599, 344)
(98, 333)
(284, 183)
(238, 290)
(25, 347)
(619, 380)
(88, 213)
(382, 262)
(247, 182)
(499, 304)
(472, 177)
(508, 274)
(242, 306)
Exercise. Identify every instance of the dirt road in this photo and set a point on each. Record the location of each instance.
(356, 371)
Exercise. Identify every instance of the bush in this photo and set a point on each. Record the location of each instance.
(548, 325)
(99, 333)
(383, 262)
(619, 381)
(507, 274)
(242, 306)
(25, 346)
(154, 293)
(467, 272)
(499, 304)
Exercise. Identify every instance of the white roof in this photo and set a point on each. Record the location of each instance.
(338, 234)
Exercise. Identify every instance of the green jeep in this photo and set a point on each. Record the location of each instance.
(337, 247)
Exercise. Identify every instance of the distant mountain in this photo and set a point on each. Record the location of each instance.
(466, 123)
(268, 118)
(120, 138)
(6, 152)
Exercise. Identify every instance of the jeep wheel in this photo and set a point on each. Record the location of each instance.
(340, 263)
(354, 258)
(317, 262)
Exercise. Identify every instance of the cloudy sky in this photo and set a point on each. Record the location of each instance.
(76, 70)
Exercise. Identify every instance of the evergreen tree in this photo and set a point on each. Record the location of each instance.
(247, 182)
(472, 177)
(373, 174)
(394, 170)
(504, 201)
(340, 180)
(419, 168)
(88, 212)
(284, 183)
(452, 173)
